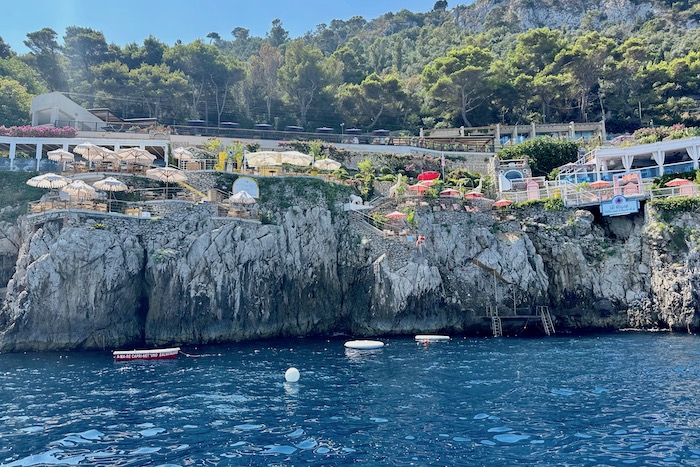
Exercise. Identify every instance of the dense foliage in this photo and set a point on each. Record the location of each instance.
(544, 154)
(402, 70)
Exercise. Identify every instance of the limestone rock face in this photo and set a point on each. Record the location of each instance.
(248, 281)
(73, 288)
(188, 278)
(554, 14)
(10, 242)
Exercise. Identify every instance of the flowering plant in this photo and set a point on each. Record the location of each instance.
(38, 131)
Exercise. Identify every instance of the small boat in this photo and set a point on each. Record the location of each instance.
(151, 354)
(431, 338)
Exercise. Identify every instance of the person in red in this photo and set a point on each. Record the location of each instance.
(419, 242)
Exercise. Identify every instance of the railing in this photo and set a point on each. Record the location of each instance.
(278, 135)
(646, 172)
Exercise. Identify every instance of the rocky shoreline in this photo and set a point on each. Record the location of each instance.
(192, 278)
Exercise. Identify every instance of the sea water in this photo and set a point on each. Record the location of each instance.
(621, 399)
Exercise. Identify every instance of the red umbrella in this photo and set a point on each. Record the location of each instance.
(420, 188)
(429, 175)
(600, 184)
(678, 182)
(474, 194)
(501, 203)
(396, 215)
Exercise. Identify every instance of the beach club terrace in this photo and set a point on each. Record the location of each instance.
(607, 174)
(30, 153)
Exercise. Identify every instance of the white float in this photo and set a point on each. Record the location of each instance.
(431, 338)
(364, 345)
(291, 375)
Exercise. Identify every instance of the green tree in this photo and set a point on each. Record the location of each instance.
(277, 34)
(584, 63)
(45, 56)
(351, 55)
(14, 102)
(210, 74)
(302, 76)
(85, 48)
(16, 69)
(263, 71)
(164, 91)
(544, 154)
(5, 49)
(458, 82)
(376, 99)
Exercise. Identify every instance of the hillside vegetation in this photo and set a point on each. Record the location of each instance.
(632, 62)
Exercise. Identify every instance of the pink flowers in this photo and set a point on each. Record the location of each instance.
(38, 131)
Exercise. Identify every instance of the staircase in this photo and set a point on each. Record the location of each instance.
(543, 312)
(192, 189)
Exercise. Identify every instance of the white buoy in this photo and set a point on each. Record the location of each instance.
(291, 375)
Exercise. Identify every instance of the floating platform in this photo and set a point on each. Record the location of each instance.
(364, 345)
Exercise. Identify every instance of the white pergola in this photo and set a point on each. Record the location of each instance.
(652, 155)
(36, 146)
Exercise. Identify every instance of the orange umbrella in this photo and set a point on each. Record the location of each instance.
(420, 188)
(449, 192)
(501, 203)
(600, 184)
(473, 194)
(427, 182)
(678, 182)
(396, 215)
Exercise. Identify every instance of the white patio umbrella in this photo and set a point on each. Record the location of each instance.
(61, 155)
(48, 180)
(296, 158)
(166, 174)
(327, 164)
(90, 152)
(136, 156)
(80, 190)
(182, 155)
(263, 159)
(110, 185)
(242, 197)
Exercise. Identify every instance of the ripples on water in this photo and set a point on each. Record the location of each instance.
(612, 400)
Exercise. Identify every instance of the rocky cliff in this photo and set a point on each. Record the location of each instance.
(555, 14)
(190, 277)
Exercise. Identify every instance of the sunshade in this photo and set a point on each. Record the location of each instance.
(327, 164)
(79, 189)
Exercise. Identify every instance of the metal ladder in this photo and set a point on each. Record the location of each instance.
(496, 324)
(546, 317)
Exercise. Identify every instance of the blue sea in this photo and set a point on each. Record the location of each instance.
(620, 399)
